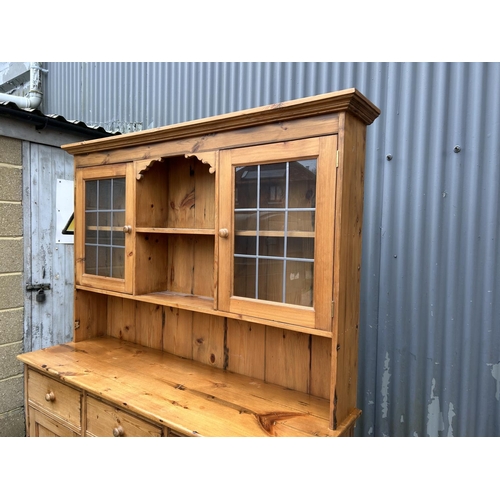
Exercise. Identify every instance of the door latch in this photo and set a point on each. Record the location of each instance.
(40, 288)
(37, 286)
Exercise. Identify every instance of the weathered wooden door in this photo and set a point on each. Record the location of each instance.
(48, 260)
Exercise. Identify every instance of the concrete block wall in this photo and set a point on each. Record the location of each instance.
(12, 421)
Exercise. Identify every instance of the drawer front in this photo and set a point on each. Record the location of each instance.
(55, 397)
(104, 420)
(40, 425)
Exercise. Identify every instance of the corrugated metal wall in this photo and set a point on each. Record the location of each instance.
(430, 295)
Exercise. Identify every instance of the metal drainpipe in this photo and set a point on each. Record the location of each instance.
(34, 97)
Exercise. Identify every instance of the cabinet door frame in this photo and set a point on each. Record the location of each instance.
(82, 175)
(324, 149)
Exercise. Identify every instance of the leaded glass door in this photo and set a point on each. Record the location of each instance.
(104, 228)
(276, 230)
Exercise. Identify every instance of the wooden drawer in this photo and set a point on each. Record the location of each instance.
(104, 420)
(174, 434)
(40, 425)
(54, 397)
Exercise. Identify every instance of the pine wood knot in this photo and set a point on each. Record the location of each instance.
(268, 420)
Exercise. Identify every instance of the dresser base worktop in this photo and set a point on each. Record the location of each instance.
(177, 395)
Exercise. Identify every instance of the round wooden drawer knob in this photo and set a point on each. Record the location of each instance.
(223, 233)
(50, 396)
(118, 431)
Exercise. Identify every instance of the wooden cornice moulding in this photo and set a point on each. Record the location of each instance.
(350, 101)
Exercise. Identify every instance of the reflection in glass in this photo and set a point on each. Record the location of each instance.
(244, 277)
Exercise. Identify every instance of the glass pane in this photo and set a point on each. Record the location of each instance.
(104, 228)
(299, 283)
(119, 193)
(118, 237)
(104, 202)
(244, 277)
(302, 184)
(273, 185)
(301, 221)
(118, 270)
(91, 195)
(245, 194)
(271, 246)
(90, 259)
(302, 248)
(271, 280)
(91, 227)
(245, 245)
(104, 261)
(245, 221)
(272, 221)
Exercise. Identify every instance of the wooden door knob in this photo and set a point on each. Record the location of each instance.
(50, 396)
(223, 233)
(118, 431)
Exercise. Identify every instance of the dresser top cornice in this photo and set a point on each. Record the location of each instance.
(350, 101)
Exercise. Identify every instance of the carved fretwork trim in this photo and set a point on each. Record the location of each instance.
(142, 166)
(207, 157)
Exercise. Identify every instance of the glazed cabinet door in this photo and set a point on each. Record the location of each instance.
(104, 222)
(276, 231)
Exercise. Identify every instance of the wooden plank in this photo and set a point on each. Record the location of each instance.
(122, 319)
(151, 197)
(149, 320)
(151, 272)
(206, 305)
(325, 226)
(175, 230)
(189, 397)
(178, 332)
(321, 361)
(265, 134)
(181, 192)
(90, 311)
(225, 254)
(216, 226)
(245, 346)
(208, 339)
(203, 266)
(349, 209)
(49, 261)
(204, 189)
(180, 259)
(287, 359)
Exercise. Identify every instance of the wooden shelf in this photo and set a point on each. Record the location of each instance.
(105, 228)
(203, 305)
(189, 397)
(175, 230)
(179, 300)
(277, 234)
